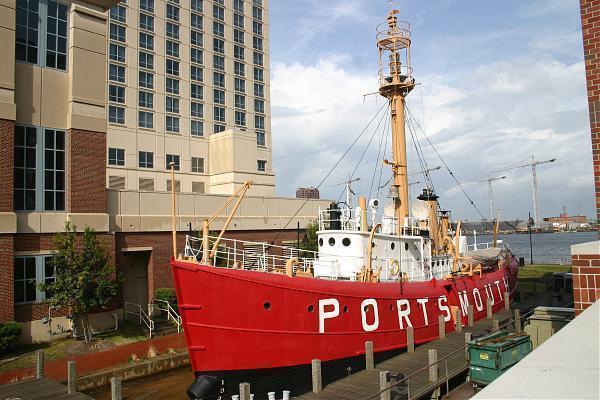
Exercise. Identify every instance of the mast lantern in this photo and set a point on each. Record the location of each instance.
(395, 83)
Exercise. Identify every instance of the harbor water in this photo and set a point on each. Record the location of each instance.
(548, 248)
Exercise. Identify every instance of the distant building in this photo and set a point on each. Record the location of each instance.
(564, 220)
(307, 193)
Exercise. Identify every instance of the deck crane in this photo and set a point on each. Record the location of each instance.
(536, 201)
(490, 191)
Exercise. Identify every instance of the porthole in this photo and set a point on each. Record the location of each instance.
(393, 245)
(406, 246)
(331, 241)
(346, 242)
(320, 242)
(267, 305)
(345, 309)
(311, 308)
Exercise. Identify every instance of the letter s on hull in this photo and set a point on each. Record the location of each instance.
(363, 312)
(323, 315)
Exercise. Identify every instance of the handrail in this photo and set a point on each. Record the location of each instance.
(406, 378)
(145, 318)
(171, 313)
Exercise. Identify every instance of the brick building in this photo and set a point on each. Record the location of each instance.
(96, 98)
(307, 193)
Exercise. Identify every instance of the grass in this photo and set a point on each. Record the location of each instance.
(540, 271)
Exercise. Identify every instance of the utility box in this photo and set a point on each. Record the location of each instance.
(491, 355)
(546, 321)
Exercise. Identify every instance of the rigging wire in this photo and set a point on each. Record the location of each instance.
(420, 156)
(385, 149)
(411, 116)
(377, 163)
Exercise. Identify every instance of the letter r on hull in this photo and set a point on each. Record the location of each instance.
(323, 315)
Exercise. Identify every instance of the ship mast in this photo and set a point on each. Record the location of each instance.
(395, 83)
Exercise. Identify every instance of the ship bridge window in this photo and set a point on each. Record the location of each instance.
(320, 242)
(346, 242)
(331, 241)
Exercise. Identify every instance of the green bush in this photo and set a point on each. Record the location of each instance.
(167, 294)
(9, 334)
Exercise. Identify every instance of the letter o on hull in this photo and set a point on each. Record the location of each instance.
(363, 311)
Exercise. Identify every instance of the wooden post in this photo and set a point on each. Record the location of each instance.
(384, 384)
(317, 383)
(71, 377)
(495, 325)
(442, 326)
(506, 301)
(410, 339)
(244, 391)
(458, 320)
(115, 389)
(467, 340)
(369, 360)
(471, 315)
(433, 369)
(489, 308)
(205, 244)
(39, 365)
(173, 209)
(517, 320)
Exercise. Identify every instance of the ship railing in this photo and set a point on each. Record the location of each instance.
(483, 246)
(165, 306)
(351, 220)
(137, 310)
(384, 31)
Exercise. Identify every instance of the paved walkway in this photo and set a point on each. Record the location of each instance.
(38, 389)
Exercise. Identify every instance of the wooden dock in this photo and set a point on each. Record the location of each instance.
(38, 389)
(367, 383)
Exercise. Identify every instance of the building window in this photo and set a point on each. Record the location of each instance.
(238, 6)
(240, 101)
(146, 159)
(197, 109)
(198, 187)
(238, 52)
(240, 85)
(196, 21)
(261, 165)
(146, 99)
(146, 80)
(116, 73)
(172, 85)
(172, 158)
(259, 90)
(257, 28)
(146, 60)
(39, 168)
(146, 22)
(172, 105)
(145, 120)
(219, 79)
(217, 128)
(259, 122)
(218, 13)
(146, 184)
(147, 5)
(258, 59)
(196, 128)
(256, 13)
(172, 124)
(117, 32)
(56, 35)
(118, 13)
(172, 49)
(260, 139)
(257, 43)
(238, 36)
(219, 114)
(116, 94)
(196, 91)
(218, 46)
(238, 20)
(259, 106)
(172, 30)
(196, 56)
(240, 118)
(116, 156)
(29, 273)
(259, 74)
(219, 63)
(146, 41)
(172, 12)
(196, 74)
(116, 115)
(219, 96)
(218, 29)
(177, 185)
(196, 5)
(117, 53)
(238, 69)
(196, 38)
(198, 165)
(172, 67)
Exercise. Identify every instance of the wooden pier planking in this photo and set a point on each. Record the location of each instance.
(365, 383)
(39, 389)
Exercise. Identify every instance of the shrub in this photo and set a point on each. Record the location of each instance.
(9, 334)
(167, 294)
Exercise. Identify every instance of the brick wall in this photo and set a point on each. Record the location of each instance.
(590, 24)
(6, 278)
(586, 280)
(7, 139)
(86, 189)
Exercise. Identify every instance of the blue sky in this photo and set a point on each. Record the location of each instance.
(499, 82)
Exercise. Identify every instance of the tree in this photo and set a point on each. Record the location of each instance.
(85, 279)
(309, 242)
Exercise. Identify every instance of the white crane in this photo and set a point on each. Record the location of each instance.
(536, 201)
(490, 191)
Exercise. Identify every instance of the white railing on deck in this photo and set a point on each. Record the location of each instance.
(350, 220)
(484, 245)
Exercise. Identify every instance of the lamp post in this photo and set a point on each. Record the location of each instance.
(530, 222)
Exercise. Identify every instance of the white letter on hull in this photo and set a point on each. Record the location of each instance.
(422, 302)
(477, 296)
(366, 326)
(403, 314)
(499, 290)
(505, 280)
(323, 315)
(444, 308)
(464, 302)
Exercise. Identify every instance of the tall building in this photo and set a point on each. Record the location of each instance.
(189, 83)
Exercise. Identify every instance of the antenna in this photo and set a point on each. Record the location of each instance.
(349, 191)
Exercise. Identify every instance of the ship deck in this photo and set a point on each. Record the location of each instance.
(365, 384)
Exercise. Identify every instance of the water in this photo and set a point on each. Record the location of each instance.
(548, 248)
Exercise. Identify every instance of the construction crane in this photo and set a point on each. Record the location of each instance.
(536, 201)
(490, 191)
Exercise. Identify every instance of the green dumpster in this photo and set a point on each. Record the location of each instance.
(491, 355)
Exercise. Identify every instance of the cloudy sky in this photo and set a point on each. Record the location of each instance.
(498, 82)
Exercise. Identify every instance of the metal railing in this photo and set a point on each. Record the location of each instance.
(136, 309)
(167, 308)
(482, 246)
(350, 220)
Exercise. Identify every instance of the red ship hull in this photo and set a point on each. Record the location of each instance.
(246, 320)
